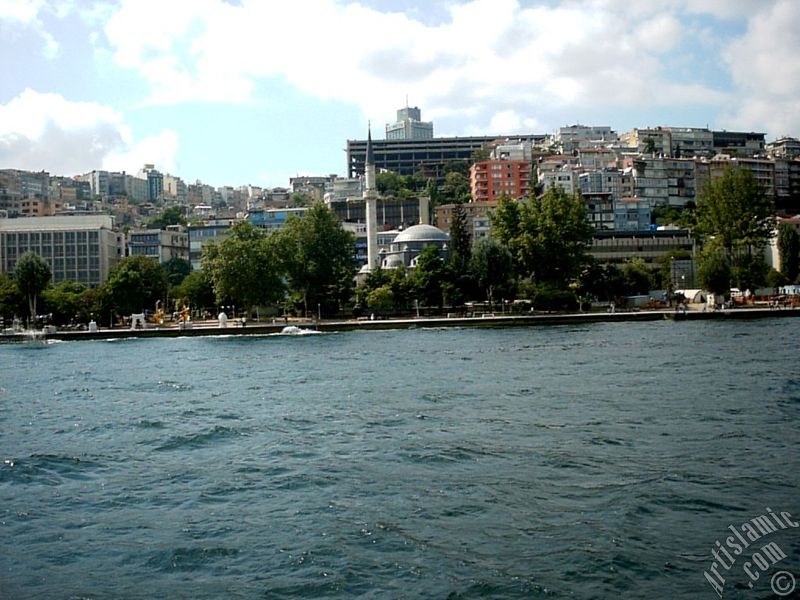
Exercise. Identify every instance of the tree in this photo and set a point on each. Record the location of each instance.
(547, 236)
(491, 266)
(32, 276)
(196, 290)
(381, 299)
(556, 236)
(480, 155)
(776, 279)
(456, 188)
(68, 302)
(176, 270)
(390, 183)
(750, 271)
(317, 257)
(789, 251)
(134, 284)
(460, 241)
(428, 277)
(172, 215)
(736, 212)
(10, 298)
(714, 269)
(549, 296)
(432, 191)
(402, 288)
(638, 276)
(244, 267)
(605, 281)
(375, 279)
(506, 223)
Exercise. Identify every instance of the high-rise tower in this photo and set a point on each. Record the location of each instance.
(409, 126)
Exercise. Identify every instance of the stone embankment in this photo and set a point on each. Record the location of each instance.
(207, 328)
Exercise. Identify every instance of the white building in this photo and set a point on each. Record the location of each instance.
(77, 248)
(565, 178)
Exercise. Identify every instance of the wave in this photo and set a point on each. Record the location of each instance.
(199, 440)
(47, 469)
(189, 559)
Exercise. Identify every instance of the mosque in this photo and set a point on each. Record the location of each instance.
(406, 247)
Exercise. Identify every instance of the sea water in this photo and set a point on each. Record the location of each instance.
(598, 461)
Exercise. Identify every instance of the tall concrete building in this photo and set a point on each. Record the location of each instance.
(409, 126)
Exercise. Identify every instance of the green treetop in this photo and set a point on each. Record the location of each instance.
(548, 237)
(244, 267)
(735, 210)
(317, 258)
(134, 284)
(172, 215)
(32, 275)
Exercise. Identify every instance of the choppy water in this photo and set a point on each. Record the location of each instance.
(592, 462)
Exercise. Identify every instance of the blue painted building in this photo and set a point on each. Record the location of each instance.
(272, 218)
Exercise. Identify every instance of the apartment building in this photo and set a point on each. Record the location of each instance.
(273, 218)
(574, 137)
(202, 233)
(492, 179)
(163, 245)
(665, 181)
(617, 182)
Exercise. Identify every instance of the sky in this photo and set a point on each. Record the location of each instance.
(237, 92)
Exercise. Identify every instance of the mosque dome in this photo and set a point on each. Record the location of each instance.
(421, 233)
(393, 261)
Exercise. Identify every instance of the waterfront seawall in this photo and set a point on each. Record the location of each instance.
(211, 329)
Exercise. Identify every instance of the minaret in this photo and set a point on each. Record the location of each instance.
(370, 196)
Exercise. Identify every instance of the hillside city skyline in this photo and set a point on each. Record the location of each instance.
(549, 145)
(208, 90)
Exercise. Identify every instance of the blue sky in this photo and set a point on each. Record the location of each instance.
(255, 91)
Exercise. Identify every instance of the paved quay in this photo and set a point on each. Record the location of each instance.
(211, 328)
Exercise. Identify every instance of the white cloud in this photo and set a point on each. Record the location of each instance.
(20, 11)
(492, 57)
(26, 14)
(510, 121)
(48, 132)
(661, 33)
(159, 150)
(766, 71)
